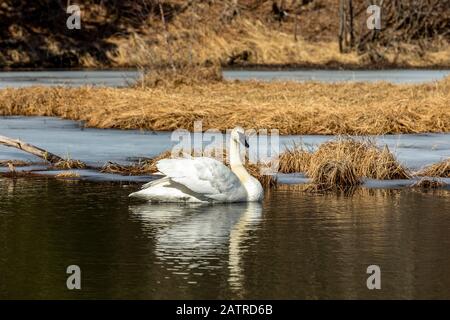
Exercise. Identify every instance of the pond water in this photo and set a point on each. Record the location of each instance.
(118, 78)
(294, 245)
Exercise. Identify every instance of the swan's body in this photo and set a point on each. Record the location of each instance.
(204, 179)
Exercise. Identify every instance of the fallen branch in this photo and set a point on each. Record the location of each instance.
(41, 153)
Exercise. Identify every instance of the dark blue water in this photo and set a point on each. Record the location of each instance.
(295, 245)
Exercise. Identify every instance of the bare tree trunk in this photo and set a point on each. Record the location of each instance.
(41, 153)
(296, 26)
(166, 36)
(352, 34)
(341, 25)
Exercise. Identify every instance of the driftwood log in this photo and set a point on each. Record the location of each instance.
(41, 153)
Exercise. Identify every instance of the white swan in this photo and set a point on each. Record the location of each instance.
(204, 179)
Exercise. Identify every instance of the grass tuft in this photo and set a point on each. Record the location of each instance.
(70, 164)
(180, 75)
(333, 175)
(368, 160)
(441, 169)
(294, 159)
(15, 163)
(67, 175)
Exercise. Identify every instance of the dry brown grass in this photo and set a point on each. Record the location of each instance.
(366, 158)
(140, 168)
(179, 75)
(441, 169)
(345, 155)
(15, 163)
(331, 175)
(206, 33)
(293, 108)
(341, 164)
(67, 175)
(294, 159)
(198, 31)
(70, 164)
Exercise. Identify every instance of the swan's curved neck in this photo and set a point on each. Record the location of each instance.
(236, 162)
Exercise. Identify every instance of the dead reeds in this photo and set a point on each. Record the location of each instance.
(330, 175)
(440, 169)
(68, 164)
(363, 155)
(368, 160)
(15, 163)
(181, 74)
(67, 175)
(293, 108)
(342, 163)
(137, 169)
(294, 159)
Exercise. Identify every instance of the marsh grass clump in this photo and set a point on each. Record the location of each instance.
(332, 175)
(342, 163)
(67, 175)
(15, 163)
(440, 169)
(294, 159)
(128, 170)
(142, 167)
(384, 166)
(366, 158)
(182, 74)
(68, 164)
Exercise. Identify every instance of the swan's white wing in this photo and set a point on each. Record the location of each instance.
(205, 176)
(155, 183)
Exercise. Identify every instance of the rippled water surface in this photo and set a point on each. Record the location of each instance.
(294, 245)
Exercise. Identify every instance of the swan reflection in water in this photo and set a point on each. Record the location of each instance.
(193, 238)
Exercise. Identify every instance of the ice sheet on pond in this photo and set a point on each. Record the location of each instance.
(123, 78)
(97, 146)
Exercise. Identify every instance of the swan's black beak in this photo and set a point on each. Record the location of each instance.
(243, 140)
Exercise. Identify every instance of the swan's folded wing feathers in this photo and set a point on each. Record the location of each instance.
(203, 175)
(155, 183)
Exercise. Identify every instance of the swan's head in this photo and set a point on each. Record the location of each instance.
(238, 136)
